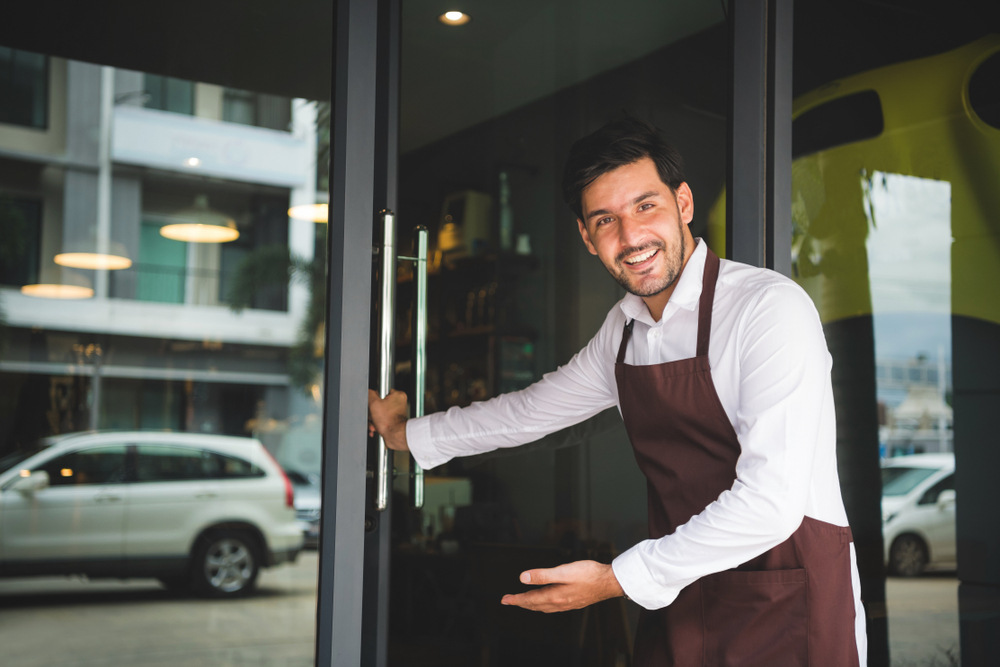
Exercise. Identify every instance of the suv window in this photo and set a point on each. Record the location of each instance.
(98, 465)
(931, 495)
(163, 463)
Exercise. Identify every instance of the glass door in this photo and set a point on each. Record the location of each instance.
(490, 102)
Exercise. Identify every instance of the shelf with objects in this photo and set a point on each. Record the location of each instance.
(480, 343)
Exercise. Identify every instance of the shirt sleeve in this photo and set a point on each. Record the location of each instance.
(582, 388)
(784, 415)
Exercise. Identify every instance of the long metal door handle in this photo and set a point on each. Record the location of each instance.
(419, 353)
(383, 480)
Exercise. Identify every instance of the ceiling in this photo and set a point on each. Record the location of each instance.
(512, 52)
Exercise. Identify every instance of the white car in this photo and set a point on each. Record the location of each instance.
(190, 509)
(918, 512)
(308, 500)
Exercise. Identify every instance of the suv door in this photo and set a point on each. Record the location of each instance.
(938, 520)
(176, 488)
(77, 522)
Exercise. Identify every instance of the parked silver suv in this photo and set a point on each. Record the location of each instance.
(190, 509)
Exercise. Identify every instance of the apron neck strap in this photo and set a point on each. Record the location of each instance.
(708, 281)
(626, 335)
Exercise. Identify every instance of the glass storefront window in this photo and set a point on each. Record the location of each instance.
(171, 333)
(895, 239)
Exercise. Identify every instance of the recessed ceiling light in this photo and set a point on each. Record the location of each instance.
(454, 17)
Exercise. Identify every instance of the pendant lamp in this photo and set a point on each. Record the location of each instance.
(201, 224)
(310, 212)
(59, 283)
(88, 255)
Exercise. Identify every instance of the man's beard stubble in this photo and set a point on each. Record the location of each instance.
(673, 270)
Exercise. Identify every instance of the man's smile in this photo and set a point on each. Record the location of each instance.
(638, 257)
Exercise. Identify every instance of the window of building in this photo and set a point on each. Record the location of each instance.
(24, 88)
(161, 273)
(169, 94)
(259, 109)
(21, 229)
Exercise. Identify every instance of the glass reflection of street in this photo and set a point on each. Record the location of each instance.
(923, 620)
(137, 622)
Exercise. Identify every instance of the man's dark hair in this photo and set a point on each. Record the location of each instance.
(614, 145)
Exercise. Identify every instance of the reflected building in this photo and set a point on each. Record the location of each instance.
(914, 414)
(138, 212)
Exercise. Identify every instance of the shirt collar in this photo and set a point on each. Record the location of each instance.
(686, 295)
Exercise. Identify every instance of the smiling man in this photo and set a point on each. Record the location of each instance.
(722, 376)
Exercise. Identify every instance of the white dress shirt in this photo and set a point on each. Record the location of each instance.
(771, 369)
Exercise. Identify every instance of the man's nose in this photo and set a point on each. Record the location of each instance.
(630, 231)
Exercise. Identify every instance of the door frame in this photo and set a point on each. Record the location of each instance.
(352, 615)
(352, 207)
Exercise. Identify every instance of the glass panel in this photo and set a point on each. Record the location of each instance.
(204, 355)
(489, 110)
(100, 465)
(895, 238)
(24, 91)
(169, 94)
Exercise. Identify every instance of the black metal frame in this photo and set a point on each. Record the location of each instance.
(351, 215)
(759, 187)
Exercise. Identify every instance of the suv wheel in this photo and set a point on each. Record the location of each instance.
(908, 556)
(225, 564)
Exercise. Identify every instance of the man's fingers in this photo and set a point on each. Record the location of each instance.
(560, 574)
(538, 577)
(543, 599)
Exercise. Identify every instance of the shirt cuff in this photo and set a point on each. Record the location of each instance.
(637, 582)
(418, 439)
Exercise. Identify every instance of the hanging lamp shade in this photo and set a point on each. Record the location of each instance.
(85, 255)
(59, 283)
(311, 212)
(201, 224)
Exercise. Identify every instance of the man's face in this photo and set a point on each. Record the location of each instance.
(638, 229)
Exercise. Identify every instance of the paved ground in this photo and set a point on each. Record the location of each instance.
(923, 621)
(59, 622)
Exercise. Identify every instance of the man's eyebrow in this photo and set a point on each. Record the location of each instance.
(636, 200)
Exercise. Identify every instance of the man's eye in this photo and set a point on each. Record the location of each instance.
(604, 221)
(647, 205)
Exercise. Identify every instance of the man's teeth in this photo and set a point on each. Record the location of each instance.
(640, 258)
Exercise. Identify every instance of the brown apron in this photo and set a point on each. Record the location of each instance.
(794, 604)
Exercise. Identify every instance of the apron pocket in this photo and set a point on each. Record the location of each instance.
(756, 618)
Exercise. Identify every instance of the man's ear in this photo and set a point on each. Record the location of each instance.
(585, 235)
(685, 202)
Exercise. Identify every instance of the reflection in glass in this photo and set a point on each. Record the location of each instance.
(909, 254)
(894, 210)
(190, 337)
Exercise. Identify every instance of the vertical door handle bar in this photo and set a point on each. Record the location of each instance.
(420, 352)
(383, 480)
